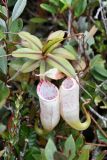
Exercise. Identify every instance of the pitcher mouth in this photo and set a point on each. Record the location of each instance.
(47, 91)
(68, 83)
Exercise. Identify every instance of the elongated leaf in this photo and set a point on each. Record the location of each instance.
(3, 12)
(51, 48)
(16, 25)
(2, 23)
(27, 53)
(97, 76)
(18, 9)
(101, 70)
(70, 148)
(50, 149)
(48, 8)
(38, 20)
(30, 66)
(62, 64)
(63, 53)
(79, 6)
(56, 34)
(3, 61)
(50, 45)
(4, 93)
(97, 60)
(85, 152)
(17, 63)
(101, 137)
(79, 142)
(2, 35)
(33, 40)
(69, 48)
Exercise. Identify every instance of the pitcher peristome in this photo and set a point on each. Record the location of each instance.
(69, 104)
(49, 104)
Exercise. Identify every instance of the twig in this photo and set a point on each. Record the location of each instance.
(95, 144)
(11, 33)
(6, 55)
(96, 113)
(15, 75)
(103, 14)
(101, 130)
(69, 21)
(24, 149)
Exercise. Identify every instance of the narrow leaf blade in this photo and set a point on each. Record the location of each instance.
(50, 149)
(3, 61)
(18, 9)
(62, 64)
(27, 53)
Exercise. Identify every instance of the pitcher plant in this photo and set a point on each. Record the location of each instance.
(69, 104)
(49, 104)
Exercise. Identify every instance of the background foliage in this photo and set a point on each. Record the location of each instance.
(84, 22)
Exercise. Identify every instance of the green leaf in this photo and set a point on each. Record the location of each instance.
(70, 148)
(33, 153)
(4, 93)
(79, 6)
(2, 35)
(63, 53)
(18, 9)
(56, 3)
(2, 128)
(61, 64)
(101, 137)
(2, 23)
(3, 12)
(16, 25)
(38, 20)
(3, 61)
(85, 152)
(101, 156)
(101, 70)
(30, 66)
(71, 50)
(48, 8)
(33, 41)
(50, 149)
(27, 53)
(56, 35)
(79, 142)
(63, 1)
(97, 76)
(97, 60)
(17, 63)
(51, 45)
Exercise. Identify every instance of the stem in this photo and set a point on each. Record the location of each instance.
(103, 15)
(11, 33)
(15, 75)
(96, 113)
(69, 22)
(98, 126)
(95, 144)
(24, 149)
